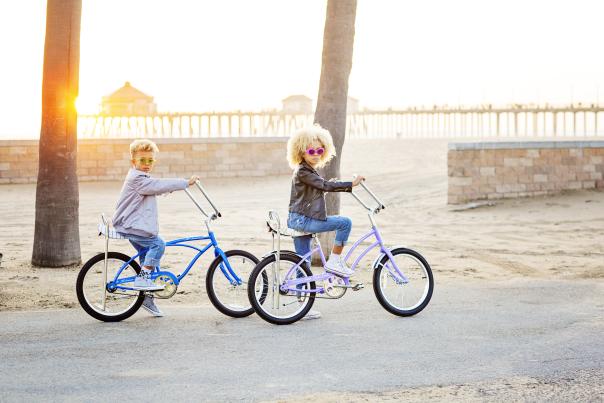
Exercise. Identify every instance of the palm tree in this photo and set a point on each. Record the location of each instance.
(338, 41)
(56, 234)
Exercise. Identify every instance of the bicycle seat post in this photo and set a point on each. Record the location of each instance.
(107, 224)
(276, 266)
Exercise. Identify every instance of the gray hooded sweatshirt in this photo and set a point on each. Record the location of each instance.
(136, 210)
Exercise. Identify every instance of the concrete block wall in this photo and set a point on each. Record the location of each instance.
(108, 159)
(497, 170)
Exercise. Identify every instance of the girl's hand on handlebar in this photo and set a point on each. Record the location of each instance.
(356, 181)
(193, 179)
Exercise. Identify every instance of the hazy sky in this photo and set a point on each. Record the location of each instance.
(240, 54)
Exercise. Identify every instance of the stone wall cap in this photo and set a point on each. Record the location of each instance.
(495, 145)
(196, 140)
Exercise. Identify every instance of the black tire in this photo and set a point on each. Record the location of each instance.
(423, 280)
(257, 301)
(214, 270)
(82, 298)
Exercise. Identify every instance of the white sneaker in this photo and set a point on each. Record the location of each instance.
(337, 267)
(344, 265)
(149, 305)
(312, 314)
(143, 283)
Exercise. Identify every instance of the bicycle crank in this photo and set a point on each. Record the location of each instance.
(169, 287)
(334, 287)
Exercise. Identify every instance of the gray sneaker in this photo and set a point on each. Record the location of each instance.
(149, 305)
(312, 314)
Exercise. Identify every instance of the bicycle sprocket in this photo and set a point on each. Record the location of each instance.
(334, 287)
(169, 287)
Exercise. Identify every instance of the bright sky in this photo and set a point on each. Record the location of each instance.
(238, 54)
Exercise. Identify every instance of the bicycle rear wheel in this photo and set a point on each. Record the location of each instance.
(269, 301)
(101, 302)
(231, 299)
(397, 297)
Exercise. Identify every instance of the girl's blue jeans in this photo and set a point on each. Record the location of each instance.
(299, 222)
(152, 256)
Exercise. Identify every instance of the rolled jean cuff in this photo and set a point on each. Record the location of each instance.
(339, 243)
(149, 261)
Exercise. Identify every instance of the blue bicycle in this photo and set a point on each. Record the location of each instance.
(104, 283)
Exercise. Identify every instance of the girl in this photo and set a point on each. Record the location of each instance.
(307, 150)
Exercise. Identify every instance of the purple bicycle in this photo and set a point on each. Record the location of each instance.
(402, 278)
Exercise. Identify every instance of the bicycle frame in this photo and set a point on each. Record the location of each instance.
(228, 272)
(182, 242)
(395, 272)
(290, 285)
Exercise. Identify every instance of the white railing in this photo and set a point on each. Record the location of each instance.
(484, 121)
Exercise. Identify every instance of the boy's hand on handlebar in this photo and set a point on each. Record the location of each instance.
(356, 181)
(193, 179)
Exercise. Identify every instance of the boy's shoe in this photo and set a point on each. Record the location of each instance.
(142, 283)
(149, 305)
(312, 314)
(338, 268)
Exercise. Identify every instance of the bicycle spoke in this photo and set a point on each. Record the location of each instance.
(95, 293)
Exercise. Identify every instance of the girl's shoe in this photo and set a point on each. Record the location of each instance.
(338, 268)
(149, 305)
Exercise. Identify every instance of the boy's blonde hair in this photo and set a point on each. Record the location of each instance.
(142, 145)
(299, 142)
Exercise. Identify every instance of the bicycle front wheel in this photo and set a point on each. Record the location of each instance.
(397, 297)
(97, 299)
(227, 296)
(273, 304)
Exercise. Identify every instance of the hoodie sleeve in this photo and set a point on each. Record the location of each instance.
(147, 186)
(313, 179)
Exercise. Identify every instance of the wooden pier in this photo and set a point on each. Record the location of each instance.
(484, 121)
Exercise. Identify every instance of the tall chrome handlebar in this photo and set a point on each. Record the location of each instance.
(198, 184)
(216, 213)
(273, 215)
(376, 209)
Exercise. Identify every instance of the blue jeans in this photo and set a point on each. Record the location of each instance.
(299, 222)
(153, 255)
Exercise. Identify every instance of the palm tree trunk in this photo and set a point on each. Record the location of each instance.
(338, 41)
(56, 234)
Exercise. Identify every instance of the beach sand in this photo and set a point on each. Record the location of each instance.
(555, 237)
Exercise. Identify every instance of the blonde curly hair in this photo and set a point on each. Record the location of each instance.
(303, 138)
(142, 145)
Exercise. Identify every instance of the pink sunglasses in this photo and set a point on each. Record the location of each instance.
(313, 151)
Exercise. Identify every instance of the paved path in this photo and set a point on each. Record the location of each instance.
(472, 333)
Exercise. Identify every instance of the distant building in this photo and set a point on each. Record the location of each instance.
(297, 104)
(128, 101)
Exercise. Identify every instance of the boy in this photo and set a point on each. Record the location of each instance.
(136, 214)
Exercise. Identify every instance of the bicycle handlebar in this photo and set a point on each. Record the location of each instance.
(198, 184)
(273, 215)
(380, 205)
(216, 213)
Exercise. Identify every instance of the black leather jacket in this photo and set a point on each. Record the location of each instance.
(308, 192)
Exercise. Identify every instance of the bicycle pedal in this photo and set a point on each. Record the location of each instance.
(354, 287)
(358, 286)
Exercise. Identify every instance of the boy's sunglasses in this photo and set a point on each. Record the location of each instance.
(317, 151)
(146, 161)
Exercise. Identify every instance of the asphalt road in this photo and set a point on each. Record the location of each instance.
(472, 332)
